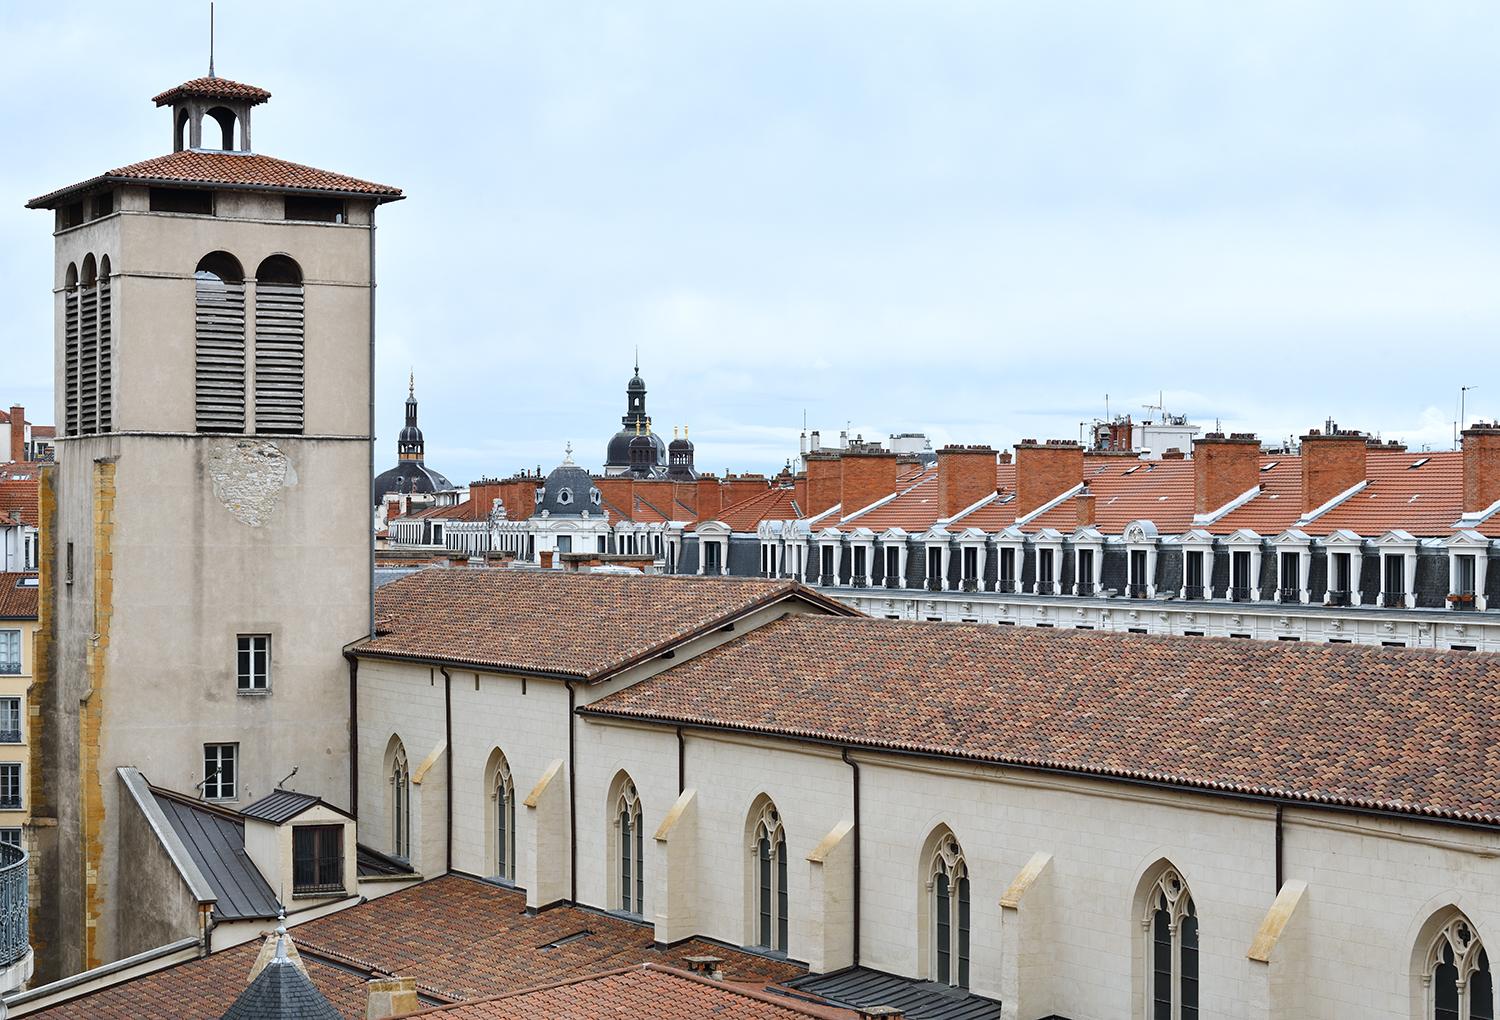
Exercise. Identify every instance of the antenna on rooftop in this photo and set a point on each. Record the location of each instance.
(211, 38)
(1460, 423)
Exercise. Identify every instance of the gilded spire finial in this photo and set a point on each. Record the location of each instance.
(411, 384)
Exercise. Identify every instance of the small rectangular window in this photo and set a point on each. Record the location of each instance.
(317, 858)
(68, 571)
(104, 204)
(1394, 644)
(10, 786)
(70, 215)
(315, 208)
(1287, 637)
(220, 771)
(1192, 633)
(1136, 630)
(1046, 626)
(11, 836)
(1239, 635)
(254, 662)
(183, 200)
(1461, 648)
(1340, 641)
(1083, 626)
(10, 720)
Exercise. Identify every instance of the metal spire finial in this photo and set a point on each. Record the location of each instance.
(637, 359)
(211, 38)
(568, 452)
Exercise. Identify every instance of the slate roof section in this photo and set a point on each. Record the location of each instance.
(371, 863)
(283, 805)
(281, 992)
(863, 988)
(216, 841)
(235, 170)
(461, 938)
(18, 598)
(648, 990)
(563, 624)
(1409, 731)
(213, 88)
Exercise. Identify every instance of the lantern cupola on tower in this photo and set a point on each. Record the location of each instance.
(224, 104)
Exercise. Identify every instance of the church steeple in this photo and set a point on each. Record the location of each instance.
(635, 399)
(409, 446)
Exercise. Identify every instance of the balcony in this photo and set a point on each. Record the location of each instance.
(827, 580)
(1192, 591)
(1239, 594)
(314, 876)
(10, 734)
(1136, 591)
(1336, 598)
(10, 668)
(1461, 600)
(892, 581)
(970, 584)
(933, 584)
(859, 581)
(1393, 599)
(15, 911)
(1006, 584)
(1290, 594)
(1087, 588)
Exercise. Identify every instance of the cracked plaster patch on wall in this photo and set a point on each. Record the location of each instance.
(248, 476)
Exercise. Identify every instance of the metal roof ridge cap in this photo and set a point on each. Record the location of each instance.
(145, 799)
(1348, 493)
(1054, 501)
(1234, 504)
(1477, 516)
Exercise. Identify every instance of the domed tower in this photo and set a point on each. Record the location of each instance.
(411, 473)
(680, 457)
(635, 422)
(643, 454)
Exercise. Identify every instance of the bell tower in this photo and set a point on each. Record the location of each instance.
(208, 547)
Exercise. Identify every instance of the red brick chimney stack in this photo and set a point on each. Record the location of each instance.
(17, 432)
(710, 497)
(824, 480)
(1481, 466)
(1224, 468)
(965, 474)
(865, 476)
(1045, 471)
(1332, 463)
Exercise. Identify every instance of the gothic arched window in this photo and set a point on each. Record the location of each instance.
(1171, 932)
(630, 848)
(503, 799)
(279, 340)
(769, 870)
(219, 377)
(400, 780)
(1457, 975)
(948, 898)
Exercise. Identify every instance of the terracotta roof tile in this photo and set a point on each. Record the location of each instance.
(1425, 500)
(460, 938)
(915, 508)
(19, 501)
(583, 625)
(18, 600)
(776, 504)
(646, 990)
(231, 170)
(213, 88)
(1402, 730)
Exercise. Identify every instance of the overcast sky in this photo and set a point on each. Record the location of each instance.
(970, 219)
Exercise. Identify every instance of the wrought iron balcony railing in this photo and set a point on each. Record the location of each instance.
(10, 668)
(933, 584)
(1192, 591)
(1085, 587)
(1336, 598)
(1006, 584)
(15, 906)
(1136, 591)
(1239, 594)
(971, 584)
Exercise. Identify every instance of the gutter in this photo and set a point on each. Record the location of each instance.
(448, 766)
(858, 838)
(1265, 799)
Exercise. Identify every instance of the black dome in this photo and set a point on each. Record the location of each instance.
(409, 476)
(568, 492)
(617, 454)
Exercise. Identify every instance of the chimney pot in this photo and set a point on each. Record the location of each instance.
(1044, 472)
(17, 432)
(708, 966)
(1331, 463)
(388, 997)
(966, 474)
(1224, 468)
(1481, 466)
(881, 1013)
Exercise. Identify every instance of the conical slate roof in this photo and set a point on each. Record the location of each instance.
(281, 991)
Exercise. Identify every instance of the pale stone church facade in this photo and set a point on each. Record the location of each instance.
(1067, 894)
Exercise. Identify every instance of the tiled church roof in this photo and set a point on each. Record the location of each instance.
(1409, 731)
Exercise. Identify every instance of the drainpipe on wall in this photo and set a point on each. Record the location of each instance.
(572, 801)
(353, 661)
(681, 762)
(858, 838)
(1278, 850)
(448, 754)
(370, 439)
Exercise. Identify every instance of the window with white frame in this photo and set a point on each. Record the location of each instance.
(768, 850)
(1007, 569)
(220, 771)
(948, 895)
(10, 651)
(10, 786)
(1193, 573)
(1457, 975)
(11, 835)
(10, 720)
(630, 850)
(1171, 931)
(254, 662)
(503, 795)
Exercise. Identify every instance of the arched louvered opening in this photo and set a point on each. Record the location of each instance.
(104, 357)
(70, 351)
(182, 129)
(88, 347)
(220, 364)
(279, 364)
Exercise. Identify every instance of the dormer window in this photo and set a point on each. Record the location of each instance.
(595, 497)
(565, 496)
(317, 859)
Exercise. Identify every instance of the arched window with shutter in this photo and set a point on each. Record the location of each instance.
(279, 364)
(70, 351)
(88, 347)
(219, 368)
(104, 357)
